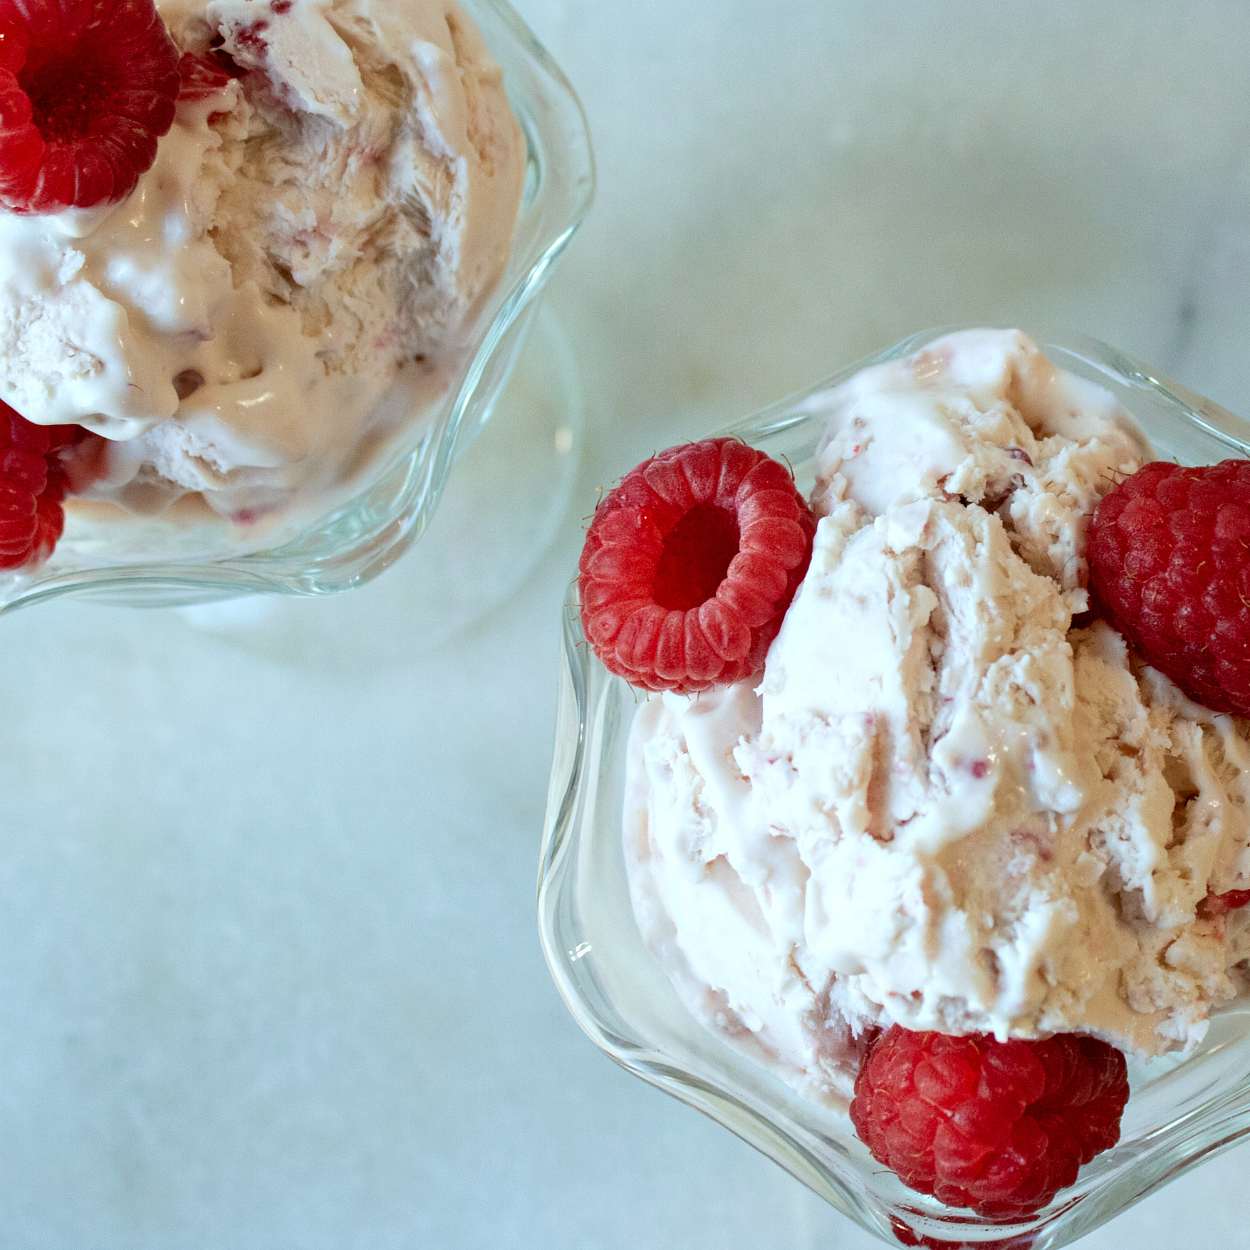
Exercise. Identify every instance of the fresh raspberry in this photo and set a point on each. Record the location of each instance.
(32, 485)
(1169, 567)
(690, 564)
(999, 1127)
(86, 89)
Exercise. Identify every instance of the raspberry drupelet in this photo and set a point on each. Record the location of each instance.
(690, 563)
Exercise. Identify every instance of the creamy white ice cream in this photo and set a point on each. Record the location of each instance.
(324, 227)
(942, 805)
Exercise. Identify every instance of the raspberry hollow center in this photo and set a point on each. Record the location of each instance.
(695, 558)
(65, 92)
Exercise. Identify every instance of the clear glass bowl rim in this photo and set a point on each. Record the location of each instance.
(761, 1111)
(365, 533)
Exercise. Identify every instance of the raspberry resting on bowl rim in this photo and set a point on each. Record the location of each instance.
(690, 563)
(1169, 567)
(33, 482)
(87, 87)
(1000, 1127)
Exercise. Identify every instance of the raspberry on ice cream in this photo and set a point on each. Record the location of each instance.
(87, 87)
(32, 487)
(1169, 557)
(999, 1127)
(690, 563)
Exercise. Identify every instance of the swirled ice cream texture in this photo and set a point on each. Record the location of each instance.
(327, 225)
(942, 805)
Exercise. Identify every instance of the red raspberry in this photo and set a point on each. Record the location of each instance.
(690, 564)
(32, 485)
(1169, 567)
(999, 1127)
(86, 89)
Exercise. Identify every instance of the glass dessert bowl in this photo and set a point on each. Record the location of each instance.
(342, 533)
(1182, 1108)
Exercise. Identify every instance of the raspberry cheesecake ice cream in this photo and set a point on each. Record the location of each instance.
(964, 796)
(243, 241)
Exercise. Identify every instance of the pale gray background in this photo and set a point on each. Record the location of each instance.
(270, 976)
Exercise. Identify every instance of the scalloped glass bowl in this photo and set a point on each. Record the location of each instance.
(355, 533)
(1181, 1110)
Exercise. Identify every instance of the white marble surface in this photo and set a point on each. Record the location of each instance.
(270, 973)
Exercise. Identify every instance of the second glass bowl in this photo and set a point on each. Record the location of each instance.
(373, 519)
(1181, 1111)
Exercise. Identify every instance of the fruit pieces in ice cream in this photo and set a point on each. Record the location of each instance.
(941, 805)
(319, 232)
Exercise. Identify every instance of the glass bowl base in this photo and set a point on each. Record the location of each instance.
(502, 506)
